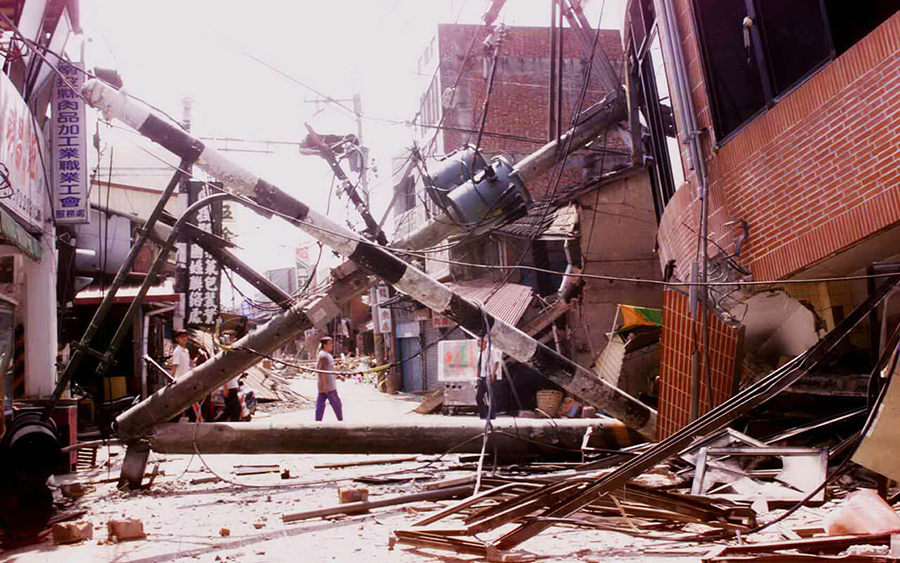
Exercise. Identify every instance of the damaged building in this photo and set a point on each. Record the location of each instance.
(657, 261)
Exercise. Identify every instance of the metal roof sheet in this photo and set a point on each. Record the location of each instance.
(550, 223)
(508, 303)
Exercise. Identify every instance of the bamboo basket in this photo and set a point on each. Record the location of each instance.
(548, 400)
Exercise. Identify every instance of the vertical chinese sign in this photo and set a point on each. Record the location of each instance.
(381, 316)
(70, 187)
(202, 293)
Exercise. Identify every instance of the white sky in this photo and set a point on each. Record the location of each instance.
(166, 50)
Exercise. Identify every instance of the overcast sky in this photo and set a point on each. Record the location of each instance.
(167, 50)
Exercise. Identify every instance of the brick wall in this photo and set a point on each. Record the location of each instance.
(813, 176)
(519, 102)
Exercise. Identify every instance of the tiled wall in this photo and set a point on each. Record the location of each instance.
(679, 338)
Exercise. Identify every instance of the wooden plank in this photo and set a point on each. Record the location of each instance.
(357, 507)
(431, 403)
(823, 544)
(462, 505)
(365, 462)
(546, 318)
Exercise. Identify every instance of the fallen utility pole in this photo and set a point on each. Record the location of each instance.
(431, 435)
(215, 247)
(83, 347)
(373, 229)
(377, 260)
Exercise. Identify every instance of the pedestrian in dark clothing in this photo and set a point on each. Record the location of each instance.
(232, 412)
(489, 367)
(327, 381)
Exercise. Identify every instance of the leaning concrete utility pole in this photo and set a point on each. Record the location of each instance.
(377, 260)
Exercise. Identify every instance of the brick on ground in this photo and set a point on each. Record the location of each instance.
(353, 494)
(126, 529)
(72, 532)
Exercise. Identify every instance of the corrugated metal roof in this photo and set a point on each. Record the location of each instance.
(508, 303)
(552, 224)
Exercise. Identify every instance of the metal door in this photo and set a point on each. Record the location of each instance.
(411, 368)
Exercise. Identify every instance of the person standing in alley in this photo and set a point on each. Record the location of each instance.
(489, 367)
(327, 381)
(233, 408)
(181, 358)
(181, 364)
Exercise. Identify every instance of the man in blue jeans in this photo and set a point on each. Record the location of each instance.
(327, 381)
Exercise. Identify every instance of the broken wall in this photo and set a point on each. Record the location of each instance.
(618, 233)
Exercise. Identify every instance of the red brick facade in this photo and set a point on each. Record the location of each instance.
(520, 98)
(812, 176)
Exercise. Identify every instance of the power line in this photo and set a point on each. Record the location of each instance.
(401, 252)
(252, 204)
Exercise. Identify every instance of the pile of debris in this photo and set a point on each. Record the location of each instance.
(266, 382)
(707, 481)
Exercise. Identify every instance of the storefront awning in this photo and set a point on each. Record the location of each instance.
(15, 234)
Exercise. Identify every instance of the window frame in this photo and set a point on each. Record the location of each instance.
(763, 66)
(662, 175)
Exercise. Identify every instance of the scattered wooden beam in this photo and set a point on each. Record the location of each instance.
(357, 507)
(365, 462)
(828, 544)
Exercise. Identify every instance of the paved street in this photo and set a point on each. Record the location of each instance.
(183, 521)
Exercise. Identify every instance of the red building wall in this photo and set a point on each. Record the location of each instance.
(520, 98)
(812, 176)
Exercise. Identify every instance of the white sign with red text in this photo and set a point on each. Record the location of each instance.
(22, 189)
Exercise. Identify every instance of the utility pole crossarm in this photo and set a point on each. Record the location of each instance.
(380, 262)
(373, 228)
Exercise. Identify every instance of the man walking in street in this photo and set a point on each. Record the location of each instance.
(327, 381)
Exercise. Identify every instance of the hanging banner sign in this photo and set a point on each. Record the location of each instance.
(70, 166)
(202, 296)
(22, 190)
